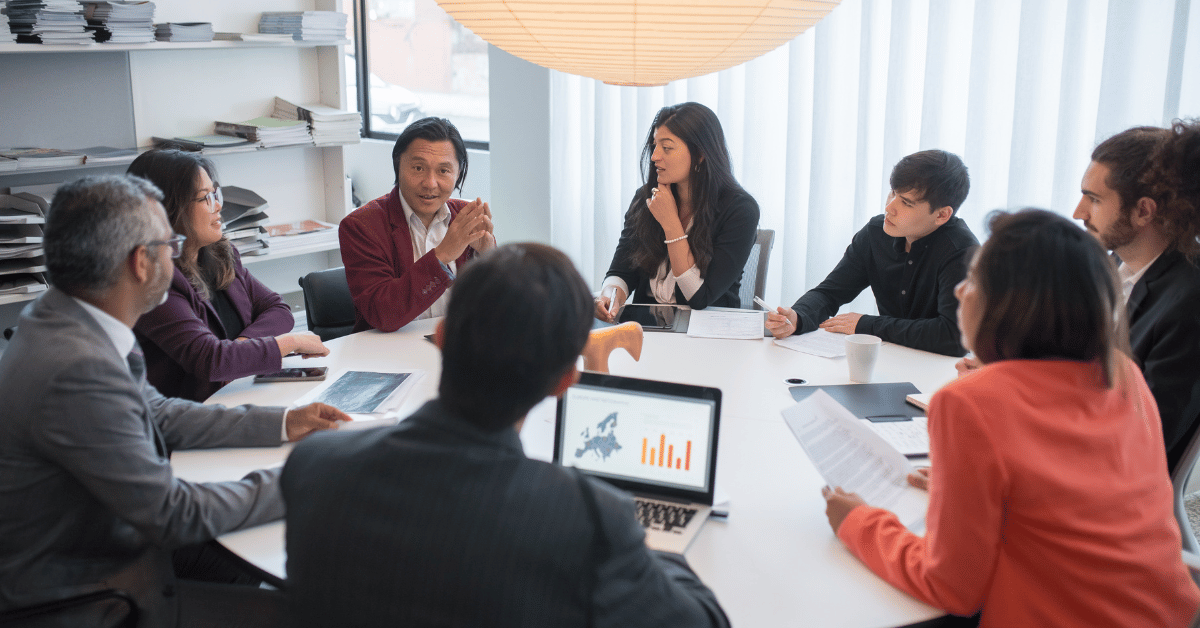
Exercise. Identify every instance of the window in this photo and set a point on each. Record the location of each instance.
(418, 62)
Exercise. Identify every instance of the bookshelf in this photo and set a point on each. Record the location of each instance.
(63, 96)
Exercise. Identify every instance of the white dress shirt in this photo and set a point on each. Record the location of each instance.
(1129, 276)
(424, 240)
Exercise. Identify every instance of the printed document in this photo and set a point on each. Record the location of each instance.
(370, 398)
(848, 454)
(738, 325)
(821, 343)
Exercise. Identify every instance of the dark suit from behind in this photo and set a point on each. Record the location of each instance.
(436, 522)
(1164, 333)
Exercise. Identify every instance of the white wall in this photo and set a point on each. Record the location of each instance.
(520, 148)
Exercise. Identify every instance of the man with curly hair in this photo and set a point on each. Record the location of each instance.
(1141, 199)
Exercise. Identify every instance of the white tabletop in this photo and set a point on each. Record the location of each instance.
(773, 562)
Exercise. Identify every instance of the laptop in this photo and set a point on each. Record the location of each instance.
(657, 440)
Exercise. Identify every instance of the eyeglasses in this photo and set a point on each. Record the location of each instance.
(176, 244)
(212, 199)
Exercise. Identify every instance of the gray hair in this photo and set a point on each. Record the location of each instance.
(93, 225)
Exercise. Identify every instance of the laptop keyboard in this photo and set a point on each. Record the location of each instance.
(662, 516)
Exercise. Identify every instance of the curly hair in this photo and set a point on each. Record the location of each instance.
(1173, 180)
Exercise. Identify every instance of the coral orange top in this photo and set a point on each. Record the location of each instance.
(1049, 504)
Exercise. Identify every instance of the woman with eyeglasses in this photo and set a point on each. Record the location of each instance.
(1049, 500)
(218, 322)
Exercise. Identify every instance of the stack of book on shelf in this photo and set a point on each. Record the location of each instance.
(242, 214)
(48, 22)
(42, 157)
(269, 132)
(207, 144)
(293, 235)
(184, 31)
(7, 164)
(329, 126)
(21, 256)
(121, 21)
(313, 26)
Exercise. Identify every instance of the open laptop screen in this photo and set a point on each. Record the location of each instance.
(640, 434)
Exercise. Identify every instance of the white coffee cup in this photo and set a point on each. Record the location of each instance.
(862, 350)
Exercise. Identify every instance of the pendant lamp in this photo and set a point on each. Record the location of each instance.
(638, 42)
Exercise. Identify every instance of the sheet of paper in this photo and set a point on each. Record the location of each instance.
(848, 454)
(910, 438)
(820, 343)
(726, 324)
(370, 398)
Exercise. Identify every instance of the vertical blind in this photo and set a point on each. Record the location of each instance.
(1022, 90)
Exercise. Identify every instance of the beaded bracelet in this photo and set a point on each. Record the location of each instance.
(682, 237)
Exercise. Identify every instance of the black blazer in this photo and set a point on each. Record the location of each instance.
(1164, 333)
(735, 229)
(435, 522)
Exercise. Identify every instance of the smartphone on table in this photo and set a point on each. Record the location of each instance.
(299, 374)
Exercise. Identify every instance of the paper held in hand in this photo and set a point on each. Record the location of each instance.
(370, 398)
(848, 454)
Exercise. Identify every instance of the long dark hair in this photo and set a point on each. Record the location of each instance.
(175, 173)
(1049, 292)
(711, 174)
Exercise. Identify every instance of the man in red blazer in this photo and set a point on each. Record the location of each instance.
(403, 250)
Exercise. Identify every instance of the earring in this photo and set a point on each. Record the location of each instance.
(697, 168)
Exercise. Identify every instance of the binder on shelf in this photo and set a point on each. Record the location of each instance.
(245, 222)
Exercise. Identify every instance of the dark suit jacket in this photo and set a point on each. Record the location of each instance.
(437, 523)
(87, 497)
(188, 353)
(389, 288)
(1164, 332)
(735, 228)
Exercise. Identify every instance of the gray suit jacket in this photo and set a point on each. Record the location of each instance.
(437, 523)
(87, 497)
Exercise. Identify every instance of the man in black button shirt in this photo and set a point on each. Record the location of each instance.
(911, 256)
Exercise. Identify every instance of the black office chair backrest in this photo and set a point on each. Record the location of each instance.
(327, 303)
(754, 275)
(1180, 476)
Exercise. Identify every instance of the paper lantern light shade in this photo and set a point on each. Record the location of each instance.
(638, 42)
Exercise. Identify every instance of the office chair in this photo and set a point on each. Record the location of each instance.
(754, 275)
(327, 303)
(110, 608)
(1179, 480)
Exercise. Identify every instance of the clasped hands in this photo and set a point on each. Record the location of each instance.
(782, 322)
(472, 226)
(839, 503)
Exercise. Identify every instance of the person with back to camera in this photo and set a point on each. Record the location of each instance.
(1049, 501)
(690, 227)
(403, 250)
(218, 322)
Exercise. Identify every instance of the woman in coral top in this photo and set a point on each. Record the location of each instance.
(1049, 501)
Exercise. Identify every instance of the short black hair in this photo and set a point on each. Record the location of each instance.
(431, 129)
(1127, 157)
(940, 178)
(517, 321)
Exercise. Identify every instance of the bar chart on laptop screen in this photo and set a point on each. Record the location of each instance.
(644, 436)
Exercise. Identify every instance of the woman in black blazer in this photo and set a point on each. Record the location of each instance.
(690, 227)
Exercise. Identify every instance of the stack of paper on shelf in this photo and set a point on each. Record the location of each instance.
(22, 209)
(270, 132)
(329, 126)
(6, 34)
(107, 155)
(294, 235)
(242, 211)
(184, 31)
(121, 21)
(42, 157)
(7, 164)
(48, 22)
(19, 241)
(316, 26)
(207, 144)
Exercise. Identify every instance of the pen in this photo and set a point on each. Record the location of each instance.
(612, 301)
(764, 304)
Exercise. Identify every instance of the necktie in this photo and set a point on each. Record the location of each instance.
(137, 368)
(137, 363)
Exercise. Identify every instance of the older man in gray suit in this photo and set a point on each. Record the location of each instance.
(87, 497)
(442, 520)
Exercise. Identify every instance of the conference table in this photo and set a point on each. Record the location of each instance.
(774, 561)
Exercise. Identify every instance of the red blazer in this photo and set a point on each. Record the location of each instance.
(389, 288)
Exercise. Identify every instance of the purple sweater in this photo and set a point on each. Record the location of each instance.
(185, 355)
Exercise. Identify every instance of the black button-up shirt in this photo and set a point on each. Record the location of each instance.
(914, 290)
